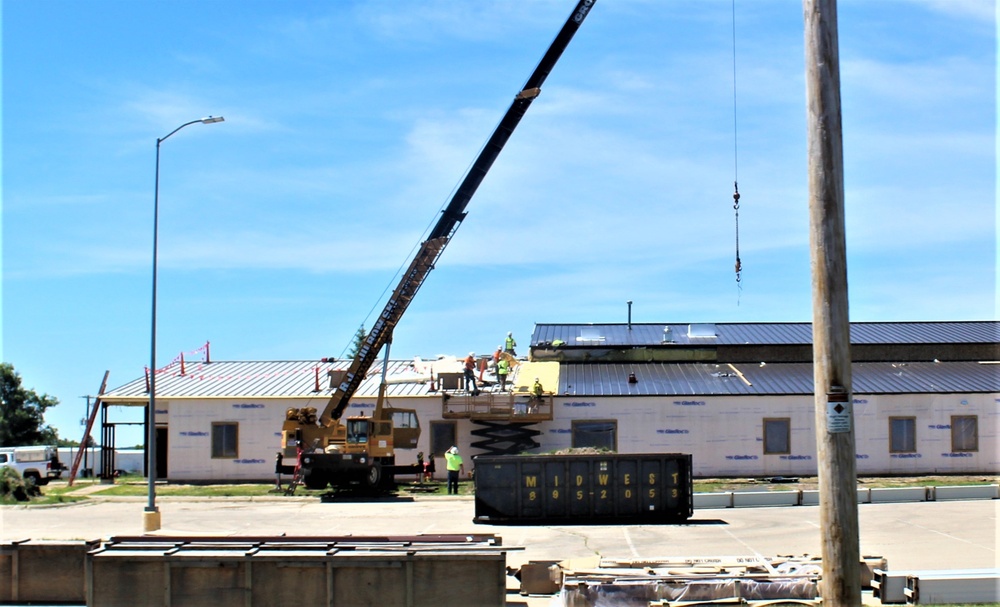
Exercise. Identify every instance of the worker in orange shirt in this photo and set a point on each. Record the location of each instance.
(470, 374)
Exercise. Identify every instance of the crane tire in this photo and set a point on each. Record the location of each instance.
(373, 478)
(316, 482)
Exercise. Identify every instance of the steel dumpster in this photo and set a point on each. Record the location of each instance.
(43, 572)
(402, 571)
(583, 489)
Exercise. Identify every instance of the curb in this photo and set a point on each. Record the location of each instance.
(810, 497)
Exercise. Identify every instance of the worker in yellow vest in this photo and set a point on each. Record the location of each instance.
(510, 344)
(536, 397)
(503, 368)
(455, 466)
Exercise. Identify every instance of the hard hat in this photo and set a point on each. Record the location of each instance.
(509, 333)
(472, 353)
(453, 450)
(536, 379)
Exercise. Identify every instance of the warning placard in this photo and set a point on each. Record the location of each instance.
(838, 416)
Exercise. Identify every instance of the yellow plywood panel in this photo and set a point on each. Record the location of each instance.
(546, 372)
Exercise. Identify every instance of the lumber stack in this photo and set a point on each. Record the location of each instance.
(690, 580)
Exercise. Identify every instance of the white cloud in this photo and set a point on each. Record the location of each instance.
(437, 18)
(916, 84)
(981, 10)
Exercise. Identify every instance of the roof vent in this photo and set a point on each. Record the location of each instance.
(336, 377)
(704, 329)
(668, 335)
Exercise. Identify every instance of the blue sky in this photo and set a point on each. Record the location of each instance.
(348, 124)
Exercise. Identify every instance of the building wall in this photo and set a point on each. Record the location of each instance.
(189, 429)
(933, 413)
(723, 434)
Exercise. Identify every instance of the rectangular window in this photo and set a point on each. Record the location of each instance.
(404, 418)
(442, 437)
(777, 436)
(902, 435)
(600, 434)
(964, 433)
(225, 439)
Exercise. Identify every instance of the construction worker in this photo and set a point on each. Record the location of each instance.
(536, 396)
(455, 467)
(470, 374)
(510, 344)
(429, 469)
(496, 358)
(503, 368)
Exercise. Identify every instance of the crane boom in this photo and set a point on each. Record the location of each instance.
(431, 249)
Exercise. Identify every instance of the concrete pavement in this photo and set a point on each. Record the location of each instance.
(921, 535)
(926, 535)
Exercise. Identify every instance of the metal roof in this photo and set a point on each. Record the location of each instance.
(710, 379)
(247, 379)
(787, 333)
(297, 379)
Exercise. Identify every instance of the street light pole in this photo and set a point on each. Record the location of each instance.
(151, 515)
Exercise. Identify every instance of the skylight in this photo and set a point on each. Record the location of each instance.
(590, 334)
(704, 329)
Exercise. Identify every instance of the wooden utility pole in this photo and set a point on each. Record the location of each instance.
(841, 585)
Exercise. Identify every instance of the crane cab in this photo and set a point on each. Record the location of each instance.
(370, 436)
(405, 426)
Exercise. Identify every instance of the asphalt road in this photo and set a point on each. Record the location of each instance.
(925, 535)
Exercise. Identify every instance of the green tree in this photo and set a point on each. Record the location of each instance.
(22, 412)
(359, 342)
(67, 442)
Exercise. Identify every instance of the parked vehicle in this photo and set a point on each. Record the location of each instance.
(39, 464)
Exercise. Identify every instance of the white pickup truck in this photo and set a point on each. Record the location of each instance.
(40, 464)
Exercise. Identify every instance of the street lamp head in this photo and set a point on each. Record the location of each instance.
(151, 518)
(208, 120)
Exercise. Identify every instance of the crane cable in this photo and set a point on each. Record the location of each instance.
(736, 186)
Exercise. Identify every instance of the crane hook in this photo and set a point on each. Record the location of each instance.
(736, 207)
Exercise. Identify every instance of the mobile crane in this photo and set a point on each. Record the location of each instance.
(360, 452)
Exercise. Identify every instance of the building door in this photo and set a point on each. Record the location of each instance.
(161, 452)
